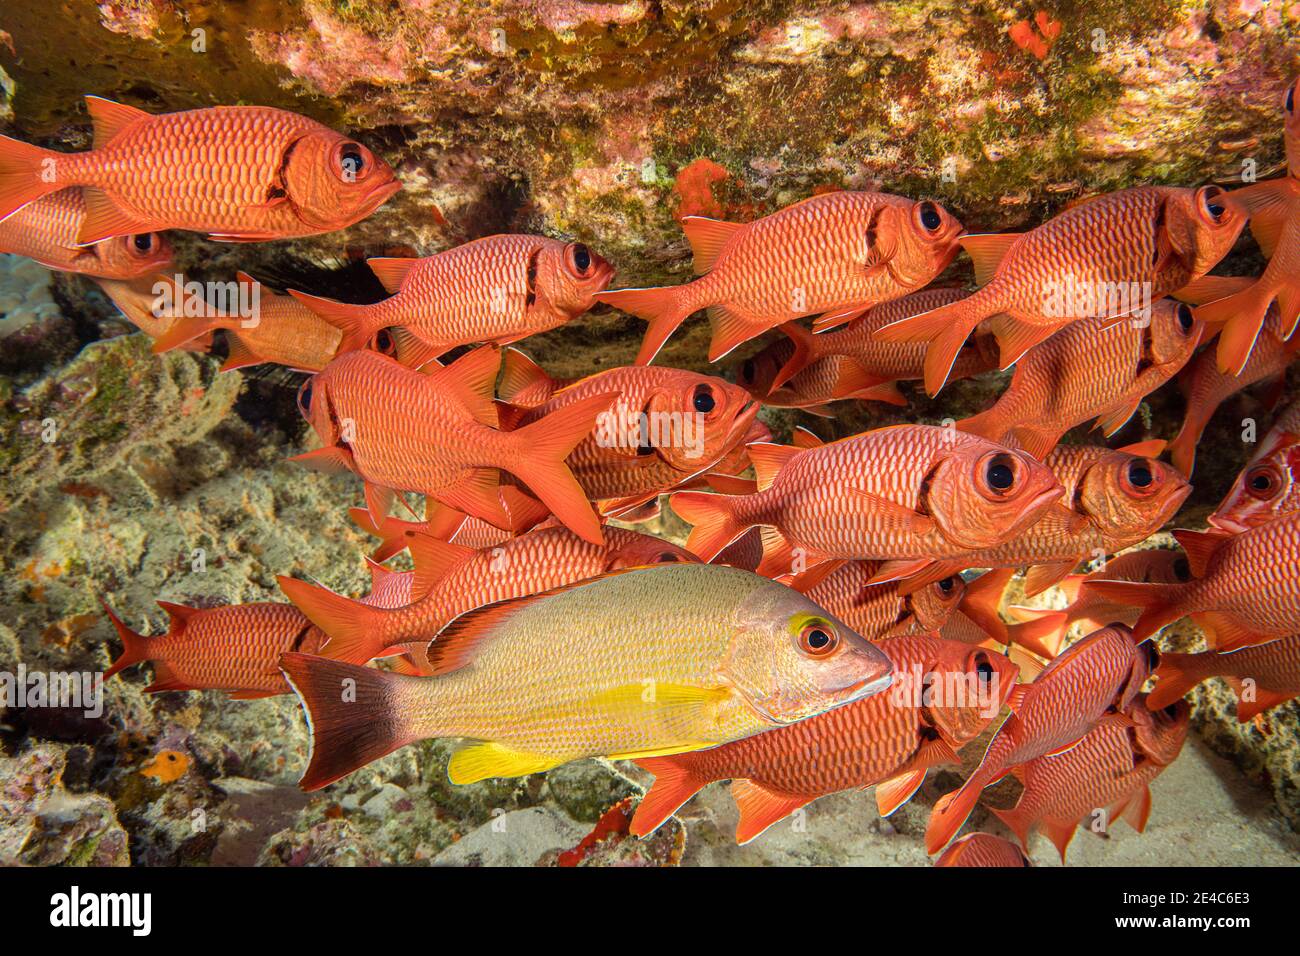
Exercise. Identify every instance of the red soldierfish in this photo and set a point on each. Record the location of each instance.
(1245, 589)
(944, 695)
(1104, 258)
(497, 289)
(235, 648)
(1275, 222)
(436, 434)
(1069, 698)
(1094, 368)
(1262, 677)
(1269, 486)
(239, 173)
(982, 850)
(834, 255)
(46, 230)
(915, 492)
(1105, 777)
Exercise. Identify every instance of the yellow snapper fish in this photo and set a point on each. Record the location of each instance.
(711, 654)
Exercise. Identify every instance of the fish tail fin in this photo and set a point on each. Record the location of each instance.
(542, 448)
(1182, 450)
(348, 318)
(1159, 603)
(664, 307)
(1175, 676)
(23, 175)
(945, 328)
(355, 630)
(802, 340)
(1242, 317)
(674, 784)
(135, 647)
(348, 730)
(1040, 631)
(949, 813)
(713, 520)
(982, 599)
(1018, 822)
(391, 530)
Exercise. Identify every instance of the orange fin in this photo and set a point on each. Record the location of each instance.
(662, 307)
(521, 374)
(768, 459)
(1041, 631)
(1175, 677)
(1038, 442)
(110, 118)
(950, 812)
(105, 219)
(983, 597)
(760, 808)
(1043, 576)
(1112, 421)
(1201, 547)
(945, 328)
(1160, 602)
(391, 272)
(804, 437)
(799, 359)
(707, 238)
(730, 329)
(135, 647)
(355, 629)
(433, 559)
(712, 519)
(21, 179)
(897, 516)
(893, 793)
(987, 251)
(348, 731)
(350, 319)
(673, 786)
(1017, 338)
(471, 378)
(1241, 317)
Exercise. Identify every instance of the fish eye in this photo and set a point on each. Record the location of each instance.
(1183, 569)
(1184, 316)
(929, 216)
(142, 242)
(1263, 482)
(747, 371)
(1171, 711)
(384, 342)
(703, 400)
(351, 162)
(1212, 209)
(1139, 474)
(946, 585)
(999, 474)
(1290, 100)
(983, 669)
(818, 638)
(304, 399)
(580, 256)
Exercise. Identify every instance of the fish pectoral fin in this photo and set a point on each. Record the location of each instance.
(896, 791)
(484, 761)
(1043, 576)
(109, 118)
(681, 705)
(1112, 421)
(896, 515)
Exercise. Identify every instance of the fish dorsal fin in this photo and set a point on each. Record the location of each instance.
(433, 559)
(768, 458)
(378, 573)
(472, 378)
(1151, 448)
(391, 271)
(986, 252)
(110, 118)
(178, 616)
(707, 237)
(1208, 289)
(1200, 547)
(519, 372)
(1016, 699)
(805, 438)
(896, 791)
(457, 643)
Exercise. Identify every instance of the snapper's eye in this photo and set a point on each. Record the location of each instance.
(144, 242)
(1210, 204)
(928, 215)
(304, 399)
(1184, 315)
(579, 259)
(1141, 477)
(983, 667)
(703, 400)
(1263, 482)
(351, 163)
(818, 638)
(1139, 474)
(947, 585)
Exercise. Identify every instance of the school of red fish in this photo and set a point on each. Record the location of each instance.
(835, 621)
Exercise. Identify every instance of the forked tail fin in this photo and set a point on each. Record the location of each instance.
(713, 519)
(673, 785)
(27, 173)
(665, 308)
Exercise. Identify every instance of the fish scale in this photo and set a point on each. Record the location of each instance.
(857, 745)
(1277, 464)
(1273, 670)
(46, 230)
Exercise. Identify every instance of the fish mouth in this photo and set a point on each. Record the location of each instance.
(382, 192)
(740, 424)
(868, 686)
(1225, 524)
(1043, 500)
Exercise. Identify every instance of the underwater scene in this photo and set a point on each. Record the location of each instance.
(649, 434)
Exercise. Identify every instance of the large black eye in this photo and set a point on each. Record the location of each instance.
(1139, 474)
(1001, 475)
(1290, 100)
(351, 161)
(1213, 209)
(1263, 482)
(704, 401)
(947, 584)
(1172, 710)
(747, 371)
(983, 669)
(930, 217)
(304, 399)
(582, 257)
(384, 342)
(143, 242)
(1183, 569)
(1184, 314)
